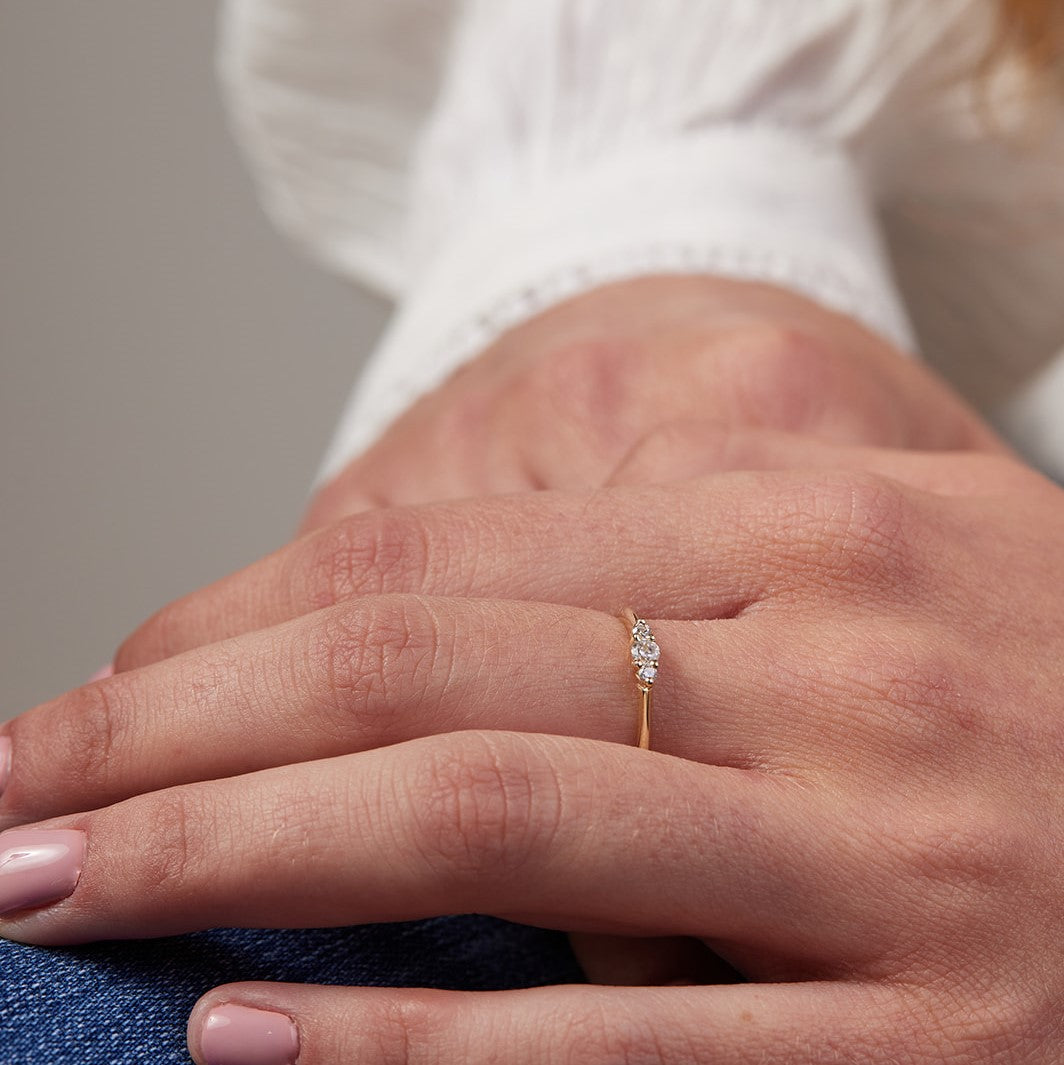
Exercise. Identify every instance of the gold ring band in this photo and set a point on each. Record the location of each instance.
(645, 656)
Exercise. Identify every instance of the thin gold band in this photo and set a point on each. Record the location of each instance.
(647, 705)
(644, 657)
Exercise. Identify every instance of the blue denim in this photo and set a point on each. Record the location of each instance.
(128, 1003)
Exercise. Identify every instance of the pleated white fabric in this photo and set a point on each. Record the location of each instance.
(478, 160)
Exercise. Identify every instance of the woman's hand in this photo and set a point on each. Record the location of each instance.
(855, 792)
(559, 401)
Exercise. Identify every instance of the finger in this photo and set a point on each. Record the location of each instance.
(564, 833)
(800, 1024)
(707, 550)
(365, 674)
(684, 450)
(761, 691)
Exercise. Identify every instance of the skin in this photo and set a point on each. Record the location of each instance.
(560, 401)
(854, 798)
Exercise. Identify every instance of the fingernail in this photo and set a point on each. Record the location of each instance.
(5, 762)
(101, 674)
(38, 866)
(237, 1035)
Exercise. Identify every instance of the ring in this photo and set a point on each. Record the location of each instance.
(645, 655)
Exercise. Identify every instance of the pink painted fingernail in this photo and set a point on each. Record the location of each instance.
(38, 866)
(101, 674)
(237, 1035)
(5, 762)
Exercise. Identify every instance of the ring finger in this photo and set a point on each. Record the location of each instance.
(749, 692)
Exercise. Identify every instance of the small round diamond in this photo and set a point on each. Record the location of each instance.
(646, 652)
(647, 674)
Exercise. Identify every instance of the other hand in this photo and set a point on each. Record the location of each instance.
(559, 401)
(854, 795)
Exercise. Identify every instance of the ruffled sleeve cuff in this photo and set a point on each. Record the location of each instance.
(745, 202)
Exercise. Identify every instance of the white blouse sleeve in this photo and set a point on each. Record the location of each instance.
(573, 142)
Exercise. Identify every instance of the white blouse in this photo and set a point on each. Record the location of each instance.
(479, 160)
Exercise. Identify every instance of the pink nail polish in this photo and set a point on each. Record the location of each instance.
(38, 866)
(5, 762)
(101, 674)
(237, 1035)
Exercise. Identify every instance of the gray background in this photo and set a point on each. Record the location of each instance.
(170, 369)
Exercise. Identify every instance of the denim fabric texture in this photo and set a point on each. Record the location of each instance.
(128, 1003)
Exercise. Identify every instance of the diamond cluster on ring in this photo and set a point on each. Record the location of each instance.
(645, 654)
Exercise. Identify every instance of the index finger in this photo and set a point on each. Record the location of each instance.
(703, 549)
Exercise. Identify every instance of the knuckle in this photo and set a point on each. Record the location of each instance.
(1015, 1025)
(946, 719)
(856, 530)
(91, 728)
(960, 850)
(485, 806)
(369, 554)
(863, 515)
(593, 384)
(951, 864)
(408, 1030)
(782, 350)
(928, 694)
(374, 656)
(177, 824)
(1005, 1021)
(781, 375)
